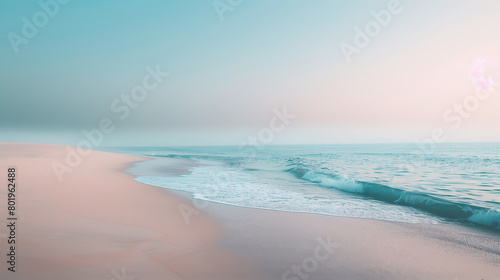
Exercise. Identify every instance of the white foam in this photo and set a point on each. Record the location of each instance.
(235, 187)
(343, 183)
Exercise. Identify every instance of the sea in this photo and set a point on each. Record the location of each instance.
(450, 183)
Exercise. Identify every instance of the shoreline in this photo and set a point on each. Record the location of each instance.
(99, 220)
(470, 240)
(142, 171)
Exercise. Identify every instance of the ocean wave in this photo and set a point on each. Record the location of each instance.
(235, 186)
(343, 183)
(461, 212)
(487, 217)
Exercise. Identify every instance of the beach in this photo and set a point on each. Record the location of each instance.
(98, 223)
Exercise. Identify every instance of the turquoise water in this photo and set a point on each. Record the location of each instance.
(396, 182)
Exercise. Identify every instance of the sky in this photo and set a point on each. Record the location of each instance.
(343, 71)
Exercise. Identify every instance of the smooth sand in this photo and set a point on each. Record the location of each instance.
(98, 221)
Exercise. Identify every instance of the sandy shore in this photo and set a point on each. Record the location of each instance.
(97, 223)
(98, 220)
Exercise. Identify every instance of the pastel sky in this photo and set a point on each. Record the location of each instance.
(230, 71)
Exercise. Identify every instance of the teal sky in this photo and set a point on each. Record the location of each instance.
(227, 76)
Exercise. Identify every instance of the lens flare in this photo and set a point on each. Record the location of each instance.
(480, 78)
